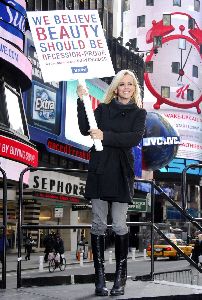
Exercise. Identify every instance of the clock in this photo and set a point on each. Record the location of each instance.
(173, 72)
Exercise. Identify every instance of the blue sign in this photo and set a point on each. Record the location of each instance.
(177, 165)
(13, 17)
(19, 5)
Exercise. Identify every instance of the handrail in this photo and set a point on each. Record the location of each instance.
(184, 183)
(179, 208)
(20, 201)
(4, 227)
(151, 223)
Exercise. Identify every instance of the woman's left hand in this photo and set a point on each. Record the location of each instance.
(96, 134)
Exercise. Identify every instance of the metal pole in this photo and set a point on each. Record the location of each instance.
(19, 281)
(152, 230)
(4, 228)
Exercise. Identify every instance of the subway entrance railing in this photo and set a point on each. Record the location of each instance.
(150, 223)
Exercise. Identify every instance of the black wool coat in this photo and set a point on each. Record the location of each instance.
(111, 171)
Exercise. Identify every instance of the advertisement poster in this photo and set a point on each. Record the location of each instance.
(187, 122)
(43, 100)
(70, 45)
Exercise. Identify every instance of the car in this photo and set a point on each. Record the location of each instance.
(163, 249)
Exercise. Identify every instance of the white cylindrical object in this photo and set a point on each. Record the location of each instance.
(41, 263)
(81, 258)
(133, 254)
(145, 253)
(90, 116)
(110, 257)
(72, 279)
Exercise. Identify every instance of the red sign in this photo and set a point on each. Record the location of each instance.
(18, 151)
(56, 197)
(67, 149)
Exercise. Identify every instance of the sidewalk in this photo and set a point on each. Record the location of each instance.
(61, 290)
(33, 263)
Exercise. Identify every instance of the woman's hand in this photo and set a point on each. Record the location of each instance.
(81, 91)
(96, 134)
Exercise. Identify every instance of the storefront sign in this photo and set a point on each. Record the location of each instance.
(70, 44)
(18, 151)
(55, 182)
(50, 196)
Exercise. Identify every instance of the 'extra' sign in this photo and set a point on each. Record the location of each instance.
(153, 141)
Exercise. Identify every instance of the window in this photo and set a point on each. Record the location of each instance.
(182, 44)
(190, 95)
(175, 67)
(195, 71)
(141, 21)
(157, 41)
(149, 67)
(176, 2)
(45, 5)
(150, 2)
(191, 23)
(165, 91)
(126, 5)
(196, 5)
(166, 19)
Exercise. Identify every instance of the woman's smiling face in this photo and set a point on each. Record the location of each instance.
(125, 89)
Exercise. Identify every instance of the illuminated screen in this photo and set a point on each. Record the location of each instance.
(96, 90)
(14, 113)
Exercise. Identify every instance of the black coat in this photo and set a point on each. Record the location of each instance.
(111, 171)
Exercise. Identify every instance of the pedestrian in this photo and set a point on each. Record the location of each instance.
(48, 242)
(29, 242)
(121, 123)
(59, 246)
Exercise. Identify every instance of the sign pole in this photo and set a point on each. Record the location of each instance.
(90, 115)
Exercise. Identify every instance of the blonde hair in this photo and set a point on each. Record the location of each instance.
(110, 93)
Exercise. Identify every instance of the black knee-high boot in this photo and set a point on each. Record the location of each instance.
(97, 242)
(121, 253)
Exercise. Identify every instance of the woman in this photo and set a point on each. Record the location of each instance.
(121, 123)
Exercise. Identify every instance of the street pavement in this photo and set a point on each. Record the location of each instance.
(134, 289)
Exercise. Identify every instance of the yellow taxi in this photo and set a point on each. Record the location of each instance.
(164, 249)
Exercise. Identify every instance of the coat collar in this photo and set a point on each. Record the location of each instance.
(116, 109)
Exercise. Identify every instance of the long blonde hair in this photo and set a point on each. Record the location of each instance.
(110, 93)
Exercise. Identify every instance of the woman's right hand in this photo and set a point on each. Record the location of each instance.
(81, 91)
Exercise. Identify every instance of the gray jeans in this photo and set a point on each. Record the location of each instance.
(99, 217)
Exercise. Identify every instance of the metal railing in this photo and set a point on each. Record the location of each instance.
(3, 226)
(151, 224)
